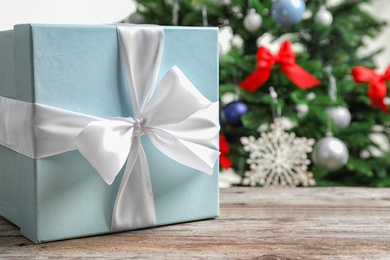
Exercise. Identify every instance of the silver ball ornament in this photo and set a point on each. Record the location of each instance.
(134, 18)
(340, 116)
(330, 153)
(252, 21)
(323, 16)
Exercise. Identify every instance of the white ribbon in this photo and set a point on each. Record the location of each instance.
(176, 117)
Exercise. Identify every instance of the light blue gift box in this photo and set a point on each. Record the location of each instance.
(78, 68)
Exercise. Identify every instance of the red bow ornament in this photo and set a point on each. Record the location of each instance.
(224, 148)
(286, 60)
(377, 88)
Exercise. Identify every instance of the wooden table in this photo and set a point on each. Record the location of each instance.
(300, 223)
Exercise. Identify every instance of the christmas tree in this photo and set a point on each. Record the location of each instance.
(326, 85)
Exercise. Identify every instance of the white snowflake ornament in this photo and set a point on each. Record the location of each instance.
(278, 158)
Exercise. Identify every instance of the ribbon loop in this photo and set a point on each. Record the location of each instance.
(286, 59)
(286, 56)
(265, 59)
(106, 145)
(362, 74)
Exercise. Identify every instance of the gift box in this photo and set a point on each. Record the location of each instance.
(107, 128)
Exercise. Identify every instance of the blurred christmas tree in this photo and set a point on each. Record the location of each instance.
(326, 40)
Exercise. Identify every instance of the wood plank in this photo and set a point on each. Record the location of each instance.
(301, 223)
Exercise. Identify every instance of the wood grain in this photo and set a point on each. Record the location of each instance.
(255, 223)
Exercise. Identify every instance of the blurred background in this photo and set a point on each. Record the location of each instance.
(98, 11)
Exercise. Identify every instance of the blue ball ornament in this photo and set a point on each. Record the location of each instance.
(288, 12)
(233, 111)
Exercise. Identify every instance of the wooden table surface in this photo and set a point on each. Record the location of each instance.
(300, 223)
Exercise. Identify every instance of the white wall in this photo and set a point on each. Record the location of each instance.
(381, 8)
(63, 11)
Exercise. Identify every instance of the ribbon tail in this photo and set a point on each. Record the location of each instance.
(134, 205)
(299, 76)
(188, 153)
(377, 93)
(256, 79)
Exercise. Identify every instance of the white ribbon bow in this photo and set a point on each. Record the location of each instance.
(176, 117)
